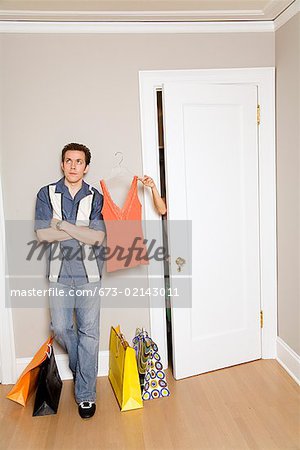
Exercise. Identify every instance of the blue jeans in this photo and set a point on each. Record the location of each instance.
(82, 342)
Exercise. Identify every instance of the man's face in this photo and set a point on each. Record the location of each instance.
(74, 165)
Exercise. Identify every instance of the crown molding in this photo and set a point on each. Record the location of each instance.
(114, 11)
(274, 8)
(153, 15)
(130, 22)
(136, 27)
(286, 15)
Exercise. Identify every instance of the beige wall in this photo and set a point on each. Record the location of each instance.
(61, 88)
(288, 180)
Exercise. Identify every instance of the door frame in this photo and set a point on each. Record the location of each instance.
(7, 343)
(264, 79)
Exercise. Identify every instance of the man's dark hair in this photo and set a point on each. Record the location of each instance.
(78, 147)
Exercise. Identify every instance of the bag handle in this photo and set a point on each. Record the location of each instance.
(50, 345)
(50, 350)
(121, 341)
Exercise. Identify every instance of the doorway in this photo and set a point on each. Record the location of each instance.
(250, 81)
(163, 192)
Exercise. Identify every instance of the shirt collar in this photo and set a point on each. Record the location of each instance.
(63, 189)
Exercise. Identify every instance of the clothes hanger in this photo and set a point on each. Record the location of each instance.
(119, 170)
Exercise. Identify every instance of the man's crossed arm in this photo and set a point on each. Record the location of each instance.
(67, 231)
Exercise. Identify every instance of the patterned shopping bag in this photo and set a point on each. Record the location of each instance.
(152, 377)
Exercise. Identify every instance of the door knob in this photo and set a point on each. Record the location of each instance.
(180, 262)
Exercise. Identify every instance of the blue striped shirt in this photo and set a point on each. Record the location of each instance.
(71, 262)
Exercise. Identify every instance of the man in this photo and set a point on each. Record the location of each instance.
(68, 216)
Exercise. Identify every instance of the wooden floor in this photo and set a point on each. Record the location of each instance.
(250, 406)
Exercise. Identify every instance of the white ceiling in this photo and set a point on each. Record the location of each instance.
(142, 10)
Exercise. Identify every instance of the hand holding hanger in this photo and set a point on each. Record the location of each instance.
(147, 181)
(158, 201)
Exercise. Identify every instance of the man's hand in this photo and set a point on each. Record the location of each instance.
(64, 225)
(54, 222)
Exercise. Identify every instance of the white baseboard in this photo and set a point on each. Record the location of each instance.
(289, 359)
(62, 362)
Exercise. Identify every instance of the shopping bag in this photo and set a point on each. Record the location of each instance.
(48, 388)
(123, 373)
(27, 382)
(152, 377)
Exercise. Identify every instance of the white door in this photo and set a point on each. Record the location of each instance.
(211, 145)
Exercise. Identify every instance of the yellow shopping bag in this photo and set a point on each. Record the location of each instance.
(123, 373)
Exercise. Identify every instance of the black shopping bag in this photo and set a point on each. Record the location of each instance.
(49, 387)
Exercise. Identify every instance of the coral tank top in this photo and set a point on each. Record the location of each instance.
(125, 240)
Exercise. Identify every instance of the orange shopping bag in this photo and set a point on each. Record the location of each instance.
(27, 382)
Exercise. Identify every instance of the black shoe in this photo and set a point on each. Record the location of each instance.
(86, 409)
